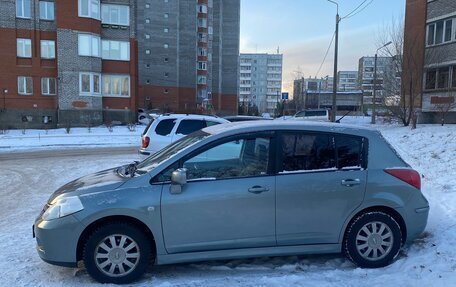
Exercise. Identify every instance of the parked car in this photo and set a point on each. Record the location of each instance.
(146, 116)
(169, 128)
(311, 115)
(239, 190)
(244, 118)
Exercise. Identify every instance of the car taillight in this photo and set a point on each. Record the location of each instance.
(145, 141)
(409, 176)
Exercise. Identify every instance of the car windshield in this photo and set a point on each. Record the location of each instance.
(155, 159)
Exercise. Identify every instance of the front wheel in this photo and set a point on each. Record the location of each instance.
(116, 253)
(372, 240)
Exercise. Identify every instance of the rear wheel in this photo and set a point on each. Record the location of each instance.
(116, 253)
(372, 240)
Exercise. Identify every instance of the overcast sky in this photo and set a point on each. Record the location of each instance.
(303, 30)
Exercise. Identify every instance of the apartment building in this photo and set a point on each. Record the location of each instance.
(385, 70)
(347, 80)
(261, 81)
(430, 58)
(188, 54)
(89, 61)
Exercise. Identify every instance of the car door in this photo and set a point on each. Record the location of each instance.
(228, 201)
(321, 179)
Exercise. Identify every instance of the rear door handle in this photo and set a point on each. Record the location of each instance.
(351, 182)
(258, 189)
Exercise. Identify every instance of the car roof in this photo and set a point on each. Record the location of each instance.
(258, 126)
(189, 116)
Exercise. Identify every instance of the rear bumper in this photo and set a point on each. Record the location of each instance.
(57, 240)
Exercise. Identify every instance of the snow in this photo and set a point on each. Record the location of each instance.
(31, 140)
(26, 184)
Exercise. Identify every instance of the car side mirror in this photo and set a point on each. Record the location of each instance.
(178, 179)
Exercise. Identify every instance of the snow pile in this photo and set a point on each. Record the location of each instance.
(120, 136)
(430, 261)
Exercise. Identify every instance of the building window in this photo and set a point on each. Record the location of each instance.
(89, 9)
(166, 91)
(202, 52)
(210, 30)
(147, 52)
(453, 82)
(115, 14)
(166, 30)
(88, 45)
(147, 36)
(440, 32)
(202, 80)
(115, 50)
(116, 86)
(24, 48)
(48, 86)
(47, 49)
(147, 21)
(202, 66)
(166, 15)
(47, 10)
(166, 46)
(89, 84)
(202, 8)
(202, 22)
(166, 75)
(23, 9)
(166, 60)
(431, 77)
(24, 85)
(202, 37)
(443, 78)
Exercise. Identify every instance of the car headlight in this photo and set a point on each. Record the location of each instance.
(61, 207)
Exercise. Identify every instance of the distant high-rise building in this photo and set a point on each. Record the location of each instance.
(261, 80)
(366, 77)
(347, 80)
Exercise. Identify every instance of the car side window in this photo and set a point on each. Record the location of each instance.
(307, 152)
(165, 127)
(237, 158)
(186, 127)
(165, 175)
(349, 152)
(211, 123)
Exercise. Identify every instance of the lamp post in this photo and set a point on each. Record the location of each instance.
(374, 94)
(5, 91)
(336, 47)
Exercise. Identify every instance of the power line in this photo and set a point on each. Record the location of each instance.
(354, 12)
(326, 55)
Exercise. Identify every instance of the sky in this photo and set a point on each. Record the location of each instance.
(303, 29)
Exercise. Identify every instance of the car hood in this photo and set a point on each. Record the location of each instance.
(100, 181)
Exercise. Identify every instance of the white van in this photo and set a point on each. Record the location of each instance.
(312, 115)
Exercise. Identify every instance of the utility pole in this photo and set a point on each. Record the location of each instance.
(336, 48)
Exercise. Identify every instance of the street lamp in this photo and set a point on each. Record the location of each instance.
(375, 82)
(336, 47)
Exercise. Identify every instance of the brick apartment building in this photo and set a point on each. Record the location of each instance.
(429, 70)
(92, 61)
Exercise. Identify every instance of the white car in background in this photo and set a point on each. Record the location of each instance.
(321, 115)
(168, 128)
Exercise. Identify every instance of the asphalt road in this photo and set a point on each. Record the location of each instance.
(67, 153)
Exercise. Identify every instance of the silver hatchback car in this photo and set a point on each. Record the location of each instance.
(239, 190)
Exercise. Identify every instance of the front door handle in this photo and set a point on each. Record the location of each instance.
(258, 189)
(351, 182)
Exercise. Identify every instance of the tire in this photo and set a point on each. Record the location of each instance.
(122, 262)
(369, 248)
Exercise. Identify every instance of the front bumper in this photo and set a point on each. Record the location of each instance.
(57, 240)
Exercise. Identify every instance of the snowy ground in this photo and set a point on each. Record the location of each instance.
(430, 261)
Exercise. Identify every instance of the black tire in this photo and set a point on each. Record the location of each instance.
(125, 236)
(357, 250)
